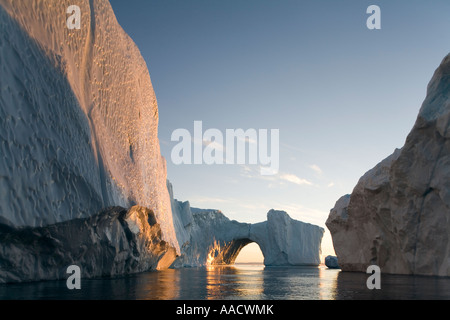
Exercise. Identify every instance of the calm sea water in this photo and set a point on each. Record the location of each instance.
(249, 282)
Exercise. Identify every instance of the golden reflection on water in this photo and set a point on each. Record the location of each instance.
(240, 281)
(245, 281)
(249, 282)
(165, 286)
(327, 283)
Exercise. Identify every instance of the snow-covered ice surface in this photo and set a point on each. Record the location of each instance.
(78, 117)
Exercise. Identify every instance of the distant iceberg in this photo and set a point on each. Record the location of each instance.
(208, 237)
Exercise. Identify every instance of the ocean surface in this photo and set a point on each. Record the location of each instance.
(241, 281)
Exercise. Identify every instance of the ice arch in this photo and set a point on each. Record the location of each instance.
(226, 254)
(208, 237)
(251, 253)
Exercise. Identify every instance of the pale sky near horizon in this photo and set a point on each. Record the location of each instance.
(343, 96)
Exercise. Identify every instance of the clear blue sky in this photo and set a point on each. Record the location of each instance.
(343, 96)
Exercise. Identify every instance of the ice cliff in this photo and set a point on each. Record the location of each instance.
(398, 215)
(110, 243)
(78, 118)
(208, 237)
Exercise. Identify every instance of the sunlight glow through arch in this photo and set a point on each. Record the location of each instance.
(251, 253)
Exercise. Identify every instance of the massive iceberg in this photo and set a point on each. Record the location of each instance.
(208, 237)
(78, 118)
(398, 215)
(82, 180)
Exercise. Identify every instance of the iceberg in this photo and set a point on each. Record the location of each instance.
(78, 118)
(398, 215)
(111, 243)
(82, 179)
(208, 237)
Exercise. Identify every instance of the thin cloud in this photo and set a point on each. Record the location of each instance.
(247, 139)
(280, 178)
(213, 144)
(302, 213)
(291, 147)
(294, 179)
(316, 168)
